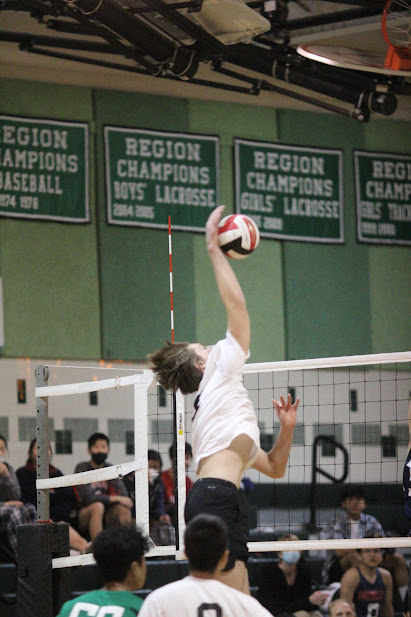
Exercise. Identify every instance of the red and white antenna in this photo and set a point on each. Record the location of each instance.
(170, 256)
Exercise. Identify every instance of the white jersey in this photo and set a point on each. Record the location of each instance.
(224, 409)
(200, 597)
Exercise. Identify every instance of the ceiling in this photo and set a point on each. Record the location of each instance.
(165, 47)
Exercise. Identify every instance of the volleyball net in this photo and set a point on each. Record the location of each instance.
(352, 428)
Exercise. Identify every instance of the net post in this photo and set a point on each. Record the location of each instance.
(180, 475)
(140, 450)
(42, 437)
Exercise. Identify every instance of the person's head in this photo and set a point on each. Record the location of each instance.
(155, 465)
(98, 447)
(206, 543)
(188, 454)
(341, 608)
(32, 452)
(3, 448)
(370, 557)
(180, 365)
(119, 554)
(353, 501)
(289, 557)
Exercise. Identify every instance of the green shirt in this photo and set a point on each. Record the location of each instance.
(114, 603)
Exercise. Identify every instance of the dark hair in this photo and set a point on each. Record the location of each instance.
(115, 548)
(172, 450)
(175, 367)
(31, 446)
(153, 455)
(96, 437)
(205, 540)
(4, 439)
(352, 490)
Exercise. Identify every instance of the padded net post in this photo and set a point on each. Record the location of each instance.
(41, 591)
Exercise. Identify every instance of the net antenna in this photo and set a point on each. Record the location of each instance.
(396, 30)
(178, 407)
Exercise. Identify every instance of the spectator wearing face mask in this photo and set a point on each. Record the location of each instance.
(105, 502)
(286, 587)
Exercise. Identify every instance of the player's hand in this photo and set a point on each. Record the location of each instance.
(286, 411)
(211, 228)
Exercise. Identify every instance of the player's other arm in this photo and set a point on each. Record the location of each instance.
(349, 584)
(228, 286)
(274, 462)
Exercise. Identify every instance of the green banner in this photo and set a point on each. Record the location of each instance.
(44, 169)
(383, 196)
(151, 175)
(291, 192)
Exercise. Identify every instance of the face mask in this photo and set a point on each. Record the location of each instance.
(98, 457)
(291, 557)
(152, 475)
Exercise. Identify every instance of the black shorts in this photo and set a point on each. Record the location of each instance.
(223, 499)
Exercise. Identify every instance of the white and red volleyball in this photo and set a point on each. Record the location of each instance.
(238, 236)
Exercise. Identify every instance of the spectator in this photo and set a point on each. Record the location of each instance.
(286, 586)
(105, 502)
(119, 554)
(341, 608)
(13, 511)
(200, 593)
(167, 477)
(351, 523)
(62, 500)
(368, 586)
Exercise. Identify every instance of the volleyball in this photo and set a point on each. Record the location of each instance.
(238, 236)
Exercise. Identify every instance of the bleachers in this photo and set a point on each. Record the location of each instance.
(159, 572)
(285, 503)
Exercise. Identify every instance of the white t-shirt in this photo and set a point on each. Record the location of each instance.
(199, 597)
(224, 410)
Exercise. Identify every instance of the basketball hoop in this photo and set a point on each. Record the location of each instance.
(396, 30)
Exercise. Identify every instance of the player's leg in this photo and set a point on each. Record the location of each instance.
(237, 577)
(223, 499)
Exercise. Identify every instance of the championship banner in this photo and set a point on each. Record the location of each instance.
(151, 175)
(44, 171)
(383, 197)
(291, 192)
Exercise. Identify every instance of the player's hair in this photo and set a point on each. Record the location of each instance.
(352, 490)
(97, 437)
(4, 439)
(288, 536)
(115, 548)
(175, 367)
(205, 540)
(172, 450)
(334, 602)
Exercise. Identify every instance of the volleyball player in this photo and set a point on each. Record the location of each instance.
(201, 593)
(225, 433)
(119, 553)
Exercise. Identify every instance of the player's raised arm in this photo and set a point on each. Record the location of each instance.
(274, 462)
(228, 286)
